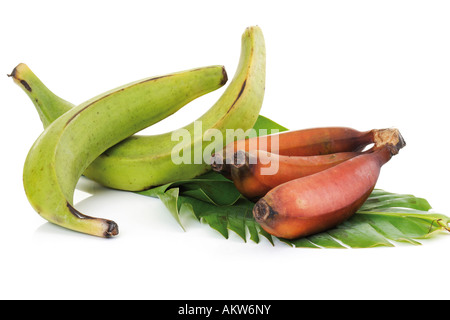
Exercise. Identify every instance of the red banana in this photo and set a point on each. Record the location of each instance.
(305, 142)
(315, 203)
(256, 172)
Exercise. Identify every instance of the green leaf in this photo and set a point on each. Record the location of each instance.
(263, 123)
(366, 229)
(221, 218)
(170, 200)
(385, 223)
(384, 219)
(358, 234)
(387, 200)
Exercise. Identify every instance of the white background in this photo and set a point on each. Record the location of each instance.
(363, 64)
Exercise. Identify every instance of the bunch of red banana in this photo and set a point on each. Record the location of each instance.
(307, 181)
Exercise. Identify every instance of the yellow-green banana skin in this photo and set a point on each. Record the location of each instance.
(141, 162)
(62, 152)
(48, 105)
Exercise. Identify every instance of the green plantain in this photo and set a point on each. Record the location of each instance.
(69, 144)
(140, 162)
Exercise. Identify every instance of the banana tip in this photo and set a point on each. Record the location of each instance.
(224, 76)
(13, 73)
(111, 230)
(262, 211)
(217, 162)
(240, 159)
(391, 136)
(102, 227)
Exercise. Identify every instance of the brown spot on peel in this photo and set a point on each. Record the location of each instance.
(77, 213)
(25, 85)
(240, 92)
(77, 113)
(239, 95)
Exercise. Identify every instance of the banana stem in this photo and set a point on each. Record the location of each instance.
(390, 136)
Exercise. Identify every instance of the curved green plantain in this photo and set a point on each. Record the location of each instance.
(141, 162)
(62, 152)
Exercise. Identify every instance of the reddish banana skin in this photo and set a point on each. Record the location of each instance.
(318, 202)
(308, 142)
(304, 142)
(249, 173)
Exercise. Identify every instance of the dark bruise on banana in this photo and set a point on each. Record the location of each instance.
(79, 135)
(238, 96)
